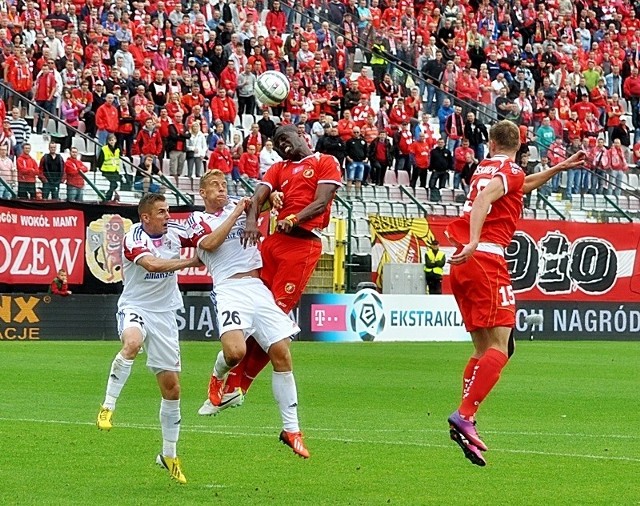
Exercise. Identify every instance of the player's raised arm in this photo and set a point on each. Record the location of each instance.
(214, 238)
(479, 210)
(324, 194)
(533, 181)
(251, 234)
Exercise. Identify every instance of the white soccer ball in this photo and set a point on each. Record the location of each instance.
(272, 88)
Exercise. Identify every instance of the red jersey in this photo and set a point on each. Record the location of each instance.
(299, 182)
(500, 223)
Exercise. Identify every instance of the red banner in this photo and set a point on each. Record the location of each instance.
(571, 261)
(35, 244)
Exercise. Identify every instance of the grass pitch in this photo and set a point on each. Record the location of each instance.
(562, 428)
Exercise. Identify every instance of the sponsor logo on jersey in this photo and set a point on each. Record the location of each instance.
(289, 288)
(308, 173)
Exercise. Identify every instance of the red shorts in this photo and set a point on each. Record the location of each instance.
(482, 288)
(288, 262)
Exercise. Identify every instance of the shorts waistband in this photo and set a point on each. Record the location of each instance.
(489, 247)
(302, 233)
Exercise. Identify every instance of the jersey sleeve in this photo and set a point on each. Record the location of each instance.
(512, 177)
(183, 234)
(272, 177)
(135, 249)
(329, 170)
(197, 228)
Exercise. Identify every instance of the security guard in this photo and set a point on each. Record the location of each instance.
(434, 261)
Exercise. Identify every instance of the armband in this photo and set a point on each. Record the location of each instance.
(293, 219)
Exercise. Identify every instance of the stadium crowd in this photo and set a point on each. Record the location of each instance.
(169, 80)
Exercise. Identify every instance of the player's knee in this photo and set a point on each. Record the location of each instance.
(169, 385)
(280, 356)
(131, 344)
(234, 356)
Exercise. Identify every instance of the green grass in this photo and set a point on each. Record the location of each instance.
(561, 426)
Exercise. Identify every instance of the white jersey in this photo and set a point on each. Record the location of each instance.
(153, 291)
(231, 257)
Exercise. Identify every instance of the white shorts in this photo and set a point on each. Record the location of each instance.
(159, 333)
(247, 304)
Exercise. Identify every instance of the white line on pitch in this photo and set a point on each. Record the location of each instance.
(200, 430)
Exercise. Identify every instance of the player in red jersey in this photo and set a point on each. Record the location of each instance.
(479, 276)
(309, 182)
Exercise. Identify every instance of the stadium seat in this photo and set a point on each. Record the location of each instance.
(247, 121)
(78, 143)
(358, 209)
(403, 178)
(533, 153)
(385, 208)
(395, 193)
(633, 181)
(361, 227)
(398, 209)
(381, 192)
(375, 102)
(390, 178)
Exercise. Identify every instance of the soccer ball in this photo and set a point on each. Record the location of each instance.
(272, 88)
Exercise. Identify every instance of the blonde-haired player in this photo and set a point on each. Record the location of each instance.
(244, 305)
(480, 279)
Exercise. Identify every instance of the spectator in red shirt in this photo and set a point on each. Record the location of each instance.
(250, 163)
(220, 158)
(44, 95)
(28, 171)
(148, 141)
(73, 169)
(420, 150)
(177, 147)
(59, 284)
(107, 120)
(631, 91)
(276, 18)
(225, 110)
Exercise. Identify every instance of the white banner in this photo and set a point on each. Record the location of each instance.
(370, 316)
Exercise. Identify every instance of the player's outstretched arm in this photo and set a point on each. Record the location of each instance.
(214, 239)
(153, 264)
(324, 193)
(251, 234)
(479, 210)
(533, 181)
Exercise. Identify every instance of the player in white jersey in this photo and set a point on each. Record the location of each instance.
(147, 315)
(244, 305)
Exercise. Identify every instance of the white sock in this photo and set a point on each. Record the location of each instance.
(286, 395)
(221, 368)
(170, 423)
(118, 376)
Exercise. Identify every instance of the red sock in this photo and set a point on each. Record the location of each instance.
(487, 374)
(467, 375)
(256, 361)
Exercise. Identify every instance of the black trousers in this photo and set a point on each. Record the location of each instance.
(378, 171)
(434, 285)
(421, 174)
(246, 105)
(26, 190)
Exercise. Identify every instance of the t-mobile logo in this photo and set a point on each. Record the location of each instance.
(328, 318)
